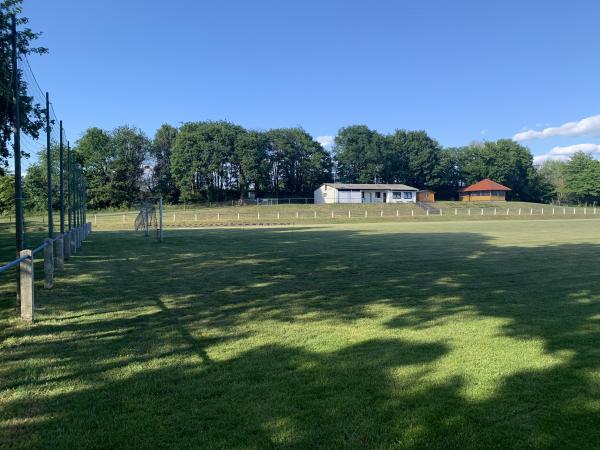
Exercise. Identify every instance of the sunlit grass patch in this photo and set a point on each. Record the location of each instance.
(439, 335)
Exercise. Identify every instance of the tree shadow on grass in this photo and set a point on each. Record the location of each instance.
(130, 339)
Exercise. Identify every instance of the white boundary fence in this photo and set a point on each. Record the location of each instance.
(55, 252)
(288, 214)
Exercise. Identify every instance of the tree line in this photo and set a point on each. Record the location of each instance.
(576, 180)
(221, 161)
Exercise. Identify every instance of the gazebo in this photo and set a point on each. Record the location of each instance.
(484, 191)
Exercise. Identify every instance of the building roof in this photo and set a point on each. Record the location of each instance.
(486, 185)
(391, 187)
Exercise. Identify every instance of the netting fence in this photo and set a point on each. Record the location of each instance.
(56, 177)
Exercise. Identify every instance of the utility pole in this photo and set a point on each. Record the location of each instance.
(77, 196)
(69, 188)
(61, 182)
(49, 167)
(17, 154)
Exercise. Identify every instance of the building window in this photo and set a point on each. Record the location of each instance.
(363, 194)
(397, 195)
(377, 194)
(408, 195)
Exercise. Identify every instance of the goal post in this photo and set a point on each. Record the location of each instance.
(149, 218)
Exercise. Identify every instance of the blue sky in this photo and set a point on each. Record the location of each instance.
(462, 70)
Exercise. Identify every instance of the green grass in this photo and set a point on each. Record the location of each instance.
(180, 216)
(447, 335)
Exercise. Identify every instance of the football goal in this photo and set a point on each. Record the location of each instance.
(150, 217)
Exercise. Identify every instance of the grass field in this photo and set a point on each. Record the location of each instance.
(440, 335)
(180, 216)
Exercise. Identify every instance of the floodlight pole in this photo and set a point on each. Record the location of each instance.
(49, 167)
(61, 182)
(69, 184)
(17, 153)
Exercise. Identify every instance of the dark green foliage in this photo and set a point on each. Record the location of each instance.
(35, 183)
(359, 155)
(503, 161)
(113, 165)
(582, 178)
(420, 155)
(161, 150)
(298, 164)
(215, 161)
(7, 193)
(410, 157)
(32, 119)
(552, 173)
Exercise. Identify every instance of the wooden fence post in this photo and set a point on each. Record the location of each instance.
(48, 264)
(67, 244)
(60, 252)
(73, 240)
(26, 282)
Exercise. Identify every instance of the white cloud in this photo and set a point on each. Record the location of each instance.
(571, 149)
(540, 159)
(588, 126)
(564, 153)
(326, 141)
(483, 132)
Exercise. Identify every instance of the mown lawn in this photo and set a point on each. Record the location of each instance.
(457, 335)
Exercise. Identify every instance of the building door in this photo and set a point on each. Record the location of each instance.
(385, 197)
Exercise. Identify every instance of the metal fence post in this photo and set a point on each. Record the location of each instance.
(26, 286)
(48, 264)
(60, 252)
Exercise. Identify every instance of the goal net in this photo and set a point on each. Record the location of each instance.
(150, 217)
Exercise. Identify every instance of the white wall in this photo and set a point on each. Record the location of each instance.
(349, 196)
(327, 194)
